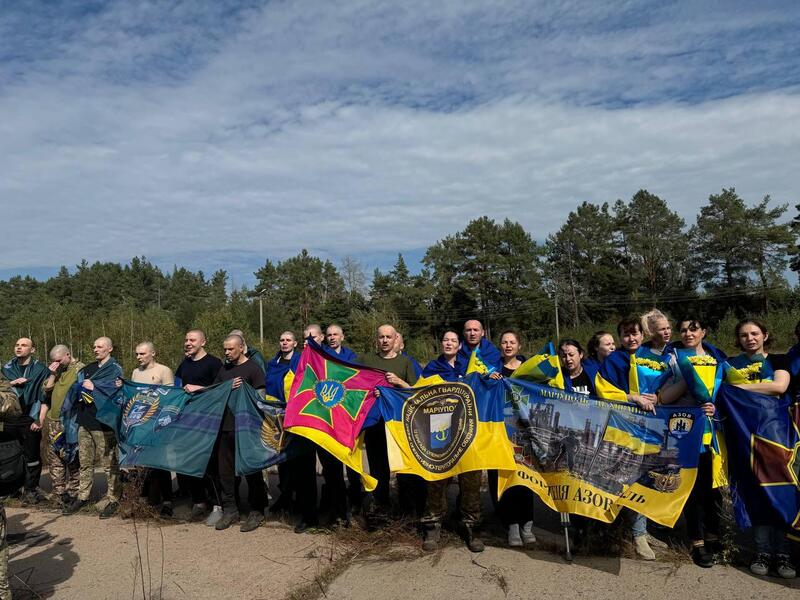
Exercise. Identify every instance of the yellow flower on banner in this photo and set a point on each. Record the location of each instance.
(748, 374)
(653, 365)
(704, 360)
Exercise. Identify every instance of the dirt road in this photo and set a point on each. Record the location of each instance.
(84, 557)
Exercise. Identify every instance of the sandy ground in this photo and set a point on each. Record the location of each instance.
(84, 557)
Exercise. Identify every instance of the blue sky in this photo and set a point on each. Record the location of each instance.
(217, 134)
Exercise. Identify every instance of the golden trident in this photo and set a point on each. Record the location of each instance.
(328, 392)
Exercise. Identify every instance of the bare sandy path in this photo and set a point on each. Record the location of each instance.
(84, 557)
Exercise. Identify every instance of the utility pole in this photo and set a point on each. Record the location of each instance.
(555, 304)
(261, 318)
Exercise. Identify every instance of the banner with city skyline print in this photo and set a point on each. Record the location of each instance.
(591, 457)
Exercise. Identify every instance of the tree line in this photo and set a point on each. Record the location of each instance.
(605, 261)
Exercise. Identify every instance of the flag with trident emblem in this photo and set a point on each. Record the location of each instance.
(328, 403)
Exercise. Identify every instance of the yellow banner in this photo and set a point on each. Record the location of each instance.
(565, 493)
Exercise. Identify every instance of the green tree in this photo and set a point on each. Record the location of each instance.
(488, 271)
(308, 287)
(585, 267)
(406, 296)
(655, 245)
(731, 243)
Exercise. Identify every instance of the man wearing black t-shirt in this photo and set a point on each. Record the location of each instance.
(197, 371)
(238, 368)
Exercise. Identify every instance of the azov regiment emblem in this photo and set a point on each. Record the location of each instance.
(680, 424)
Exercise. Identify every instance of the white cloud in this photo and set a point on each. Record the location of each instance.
(364, 127)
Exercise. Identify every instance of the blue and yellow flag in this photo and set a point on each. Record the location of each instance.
(590, 457)
(448, 428)
(627, 433)
(543, 367)
(743, 369)
(476, 364)
(623, 373)
(763, 439)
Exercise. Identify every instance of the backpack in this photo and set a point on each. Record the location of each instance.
(12, 467)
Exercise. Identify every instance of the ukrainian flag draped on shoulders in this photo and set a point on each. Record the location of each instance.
(452, 427)
(623, 373)
(484, 358)
(438, 370)
(280, 375)
(328, 404)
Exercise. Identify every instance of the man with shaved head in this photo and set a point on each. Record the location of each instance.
(27, 376)
(280, 374)
(335, 497)
(334, 336)
(475, 338)
(239, 369)
(314, 332)
(305, 464)
(149, 371)
(157, 484)
(96, 441)
(399, 373)
(197, 371)
(64, 466)
(251, 353)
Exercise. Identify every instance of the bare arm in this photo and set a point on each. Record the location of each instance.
(670, 393)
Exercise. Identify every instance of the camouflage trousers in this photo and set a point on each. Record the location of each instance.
(470, 506)
(65, 476)
(98, 447)
(5, 589)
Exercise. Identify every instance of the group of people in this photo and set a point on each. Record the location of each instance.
(43, 388)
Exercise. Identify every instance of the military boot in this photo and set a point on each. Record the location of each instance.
(474, 543)
(432, 535)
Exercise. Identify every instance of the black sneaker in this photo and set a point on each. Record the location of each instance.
(304, 526)
(226, 520)
(701, 557)
(760, 564)
(784, 566)
(166, 511)
(199, 512)
(73, 507)
(110, 510)
(65, 499)
(253, 521)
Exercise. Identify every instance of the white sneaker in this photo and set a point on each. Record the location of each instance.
(214, 516)
(514, 539)
(528, 537)
(643, 549)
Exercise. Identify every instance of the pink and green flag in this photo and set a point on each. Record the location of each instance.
(328, 404)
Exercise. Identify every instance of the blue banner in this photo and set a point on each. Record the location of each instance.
(762, 434)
